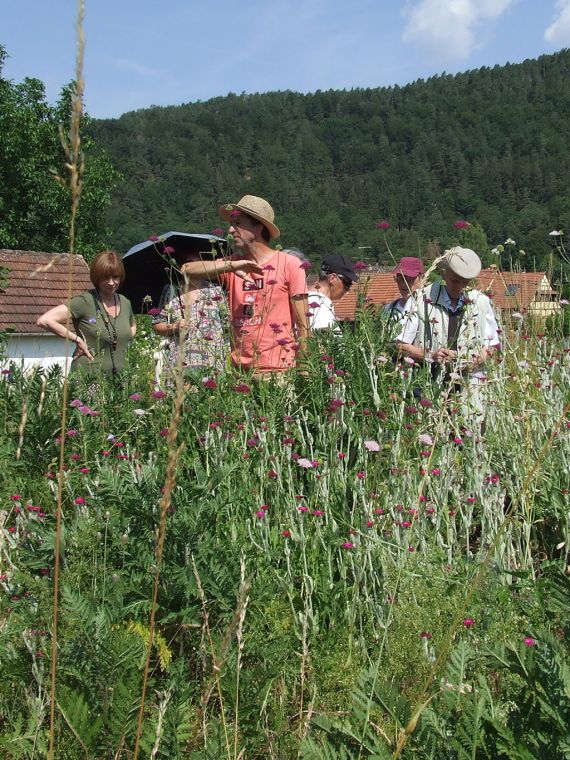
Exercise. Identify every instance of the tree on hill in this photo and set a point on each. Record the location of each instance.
(490, 146)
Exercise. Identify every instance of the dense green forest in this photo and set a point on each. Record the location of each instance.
(491, 146)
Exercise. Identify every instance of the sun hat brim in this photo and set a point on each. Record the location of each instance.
(225, 212)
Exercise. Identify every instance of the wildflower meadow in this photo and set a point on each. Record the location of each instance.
(333, 567)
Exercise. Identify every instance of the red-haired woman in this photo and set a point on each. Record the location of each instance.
(100, 321)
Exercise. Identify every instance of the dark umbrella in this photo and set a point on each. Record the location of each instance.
(149, 268)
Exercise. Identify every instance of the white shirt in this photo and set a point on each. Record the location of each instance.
(321, 311)
(408, 317)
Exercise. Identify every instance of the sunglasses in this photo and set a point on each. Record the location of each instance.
(347, 284)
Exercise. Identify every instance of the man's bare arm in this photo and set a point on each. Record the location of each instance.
(211, 269)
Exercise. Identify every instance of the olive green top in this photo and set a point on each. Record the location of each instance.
(107, 337)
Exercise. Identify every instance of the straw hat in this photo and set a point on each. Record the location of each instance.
(255, 207)
(463, 261)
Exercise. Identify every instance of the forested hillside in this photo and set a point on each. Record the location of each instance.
(491, 146)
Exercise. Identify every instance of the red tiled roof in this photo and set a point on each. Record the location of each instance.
(36, 283)
(379, 288)
(513, 290)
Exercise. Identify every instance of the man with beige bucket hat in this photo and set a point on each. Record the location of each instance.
(456, 329)
(267, 289)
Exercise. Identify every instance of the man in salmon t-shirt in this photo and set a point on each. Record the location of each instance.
(267, 289)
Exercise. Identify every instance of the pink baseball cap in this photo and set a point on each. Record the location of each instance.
(409, 266)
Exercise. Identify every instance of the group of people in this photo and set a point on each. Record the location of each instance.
(270, 310)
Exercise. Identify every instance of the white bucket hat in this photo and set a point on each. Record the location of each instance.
(462, 261)
(255, 207)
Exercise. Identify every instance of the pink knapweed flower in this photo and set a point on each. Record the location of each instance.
(79, 501)
(469, 622)
(529, 641)
(76, 403)
(286, 533)
(361, 475)
(360, 266)
(383, 225)
(153, 238)
(426, 403)
(348, 545)
(164, 432)
(260, 514)
(135, 396)
(72, 433)
(209, 383)
(461, 224)
(158, 394)
(242, 388)
(15, 497)
(302, 509)
(218, 231)
(169, 250)
(318, 513)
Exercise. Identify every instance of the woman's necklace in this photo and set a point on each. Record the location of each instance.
(109, 321)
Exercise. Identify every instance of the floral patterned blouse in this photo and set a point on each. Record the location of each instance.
(206, 344)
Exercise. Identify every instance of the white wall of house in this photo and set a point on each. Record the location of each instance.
(35, 349)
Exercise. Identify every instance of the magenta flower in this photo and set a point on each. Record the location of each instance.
(383, 225)
(461, 224)
(426, 635)
(318, 513)
(242, 388)
(209, 383)
(260, 514)
(361, 475)
(158, 394)
(360, 266)
(15, 497)
(164, 432)
(348, 545)
(79, 501)
(425, 402)
(218, 231)
(529, 641)
(469, 622)
(154, 311)
(72, 433)
(135, 396)
(286, 533)
(153, 238)
(76, 403)
(169, 250)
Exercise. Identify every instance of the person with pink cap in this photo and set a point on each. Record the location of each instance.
(407, 274)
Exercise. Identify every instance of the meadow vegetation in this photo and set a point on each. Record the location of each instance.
(347, 570)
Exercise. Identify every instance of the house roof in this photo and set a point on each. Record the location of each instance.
(35, 283)
(514, 290)
(508, 290)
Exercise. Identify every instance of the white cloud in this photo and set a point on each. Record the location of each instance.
(451, 29)
(558, 33)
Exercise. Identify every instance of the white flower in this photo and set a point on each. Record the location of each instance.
(426, 438)
(139, 412)
(372, 445)
(306, 463)
(510, 241)
(564, 302)
(495, 252)
(409, 360)
(556, 233)
(382, 359)
(517, 315)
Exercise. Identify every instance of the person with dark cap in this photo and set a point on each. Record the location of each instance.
(403, 312)
(266, 288)
(336, 277)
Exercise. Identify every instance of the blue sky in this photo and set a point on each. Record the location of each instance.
(166, 52)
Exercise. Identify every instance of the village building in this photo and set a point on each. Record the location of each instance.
(30, 284)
